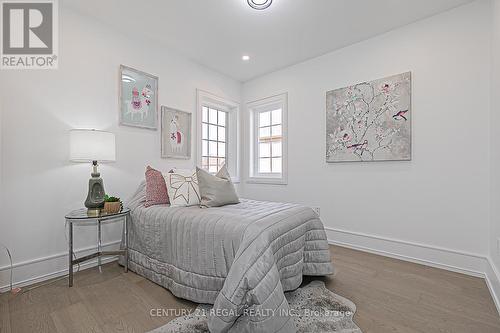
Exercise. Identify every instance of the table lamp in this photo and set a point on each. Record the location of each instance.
(89, 145)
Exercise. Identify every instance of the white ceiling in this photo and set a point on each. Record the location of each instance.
(216, 33)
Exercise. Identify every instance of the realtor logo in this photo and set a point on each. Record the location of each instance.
(29, 34)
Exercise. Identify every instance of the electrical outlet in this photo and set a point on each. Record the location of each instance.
(317, 211)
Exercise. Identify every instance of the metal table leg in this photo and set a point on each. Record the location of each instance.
(126, 243)
(70, 246)
(99, 249)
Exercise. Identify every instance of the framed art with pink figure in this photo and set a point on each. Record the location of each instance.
(138, 98)
(175, 133)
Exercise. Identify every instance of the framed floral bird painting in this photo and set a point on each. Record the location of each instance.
(370, 121)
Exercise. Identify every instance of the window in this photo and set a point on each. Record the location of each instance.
(218, 134)
(213, 139)
(268, 140)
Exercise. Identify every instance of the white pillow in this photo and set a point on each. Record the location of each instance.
(218, 190)
(182, 187)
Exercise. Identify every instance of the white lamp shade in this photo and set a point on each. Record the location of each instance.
(91, 145)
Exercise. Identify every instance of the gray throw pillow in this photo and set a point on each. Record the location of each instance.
(216, 190)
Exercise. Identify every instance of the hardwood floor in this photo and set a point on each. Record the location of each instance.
(391, 296)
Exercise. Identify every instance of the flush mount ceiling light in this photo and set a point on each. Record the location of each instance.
(259, 4)
(245, 58)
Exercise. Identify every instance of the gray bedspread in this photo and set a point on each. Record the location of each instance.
(241, 258)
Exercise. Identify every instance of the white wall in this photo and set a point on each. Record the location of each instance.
(495, 148)
(39, 184)
(437, 204)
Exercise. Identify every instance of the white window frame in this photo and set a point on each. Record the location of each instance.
(232, 108)
(254, 108)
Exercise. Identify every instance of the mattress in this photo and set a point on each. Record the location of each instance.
(241, 257)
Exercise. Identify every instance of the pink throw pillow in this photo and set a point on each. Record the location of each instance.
(156, 189)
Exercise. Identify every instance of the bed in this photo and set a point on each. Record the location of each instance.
(241, 257)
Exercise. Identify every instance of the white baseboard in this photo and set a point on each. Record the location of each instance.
(492, 277)
(453, 260)
(41, 278)
(448, 259)
(45, 268)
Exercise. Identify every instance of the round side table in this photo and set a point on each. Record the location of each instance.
(80, 217)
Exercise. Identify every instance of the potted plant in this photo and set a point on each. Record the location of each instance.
(112, 205)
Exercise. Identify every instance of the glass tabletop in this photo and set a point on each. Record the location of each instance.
(82, 214)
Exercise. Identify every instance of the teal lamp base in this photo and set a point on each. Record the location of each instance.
(95, 196)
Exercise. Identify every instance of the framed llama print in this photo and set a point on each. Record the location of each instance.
(370, 121)
(175, 133)
(138, 98)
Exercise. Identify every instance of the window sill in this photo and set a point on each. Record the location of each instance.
(266, 180)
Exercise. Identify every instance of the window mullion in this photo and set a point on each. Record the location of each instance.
(271, 144)
(217, 142)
